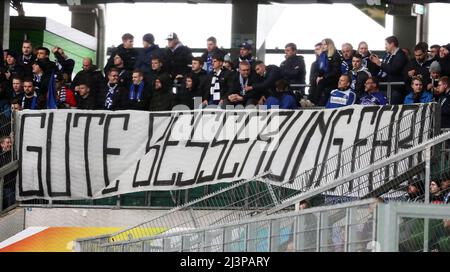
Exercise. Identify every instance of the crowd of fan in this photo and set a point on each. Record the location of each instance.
(439, 190)
(157, 79)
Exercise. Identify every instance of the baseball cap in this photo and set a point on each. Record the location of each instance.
(172, 36)
(246, 45)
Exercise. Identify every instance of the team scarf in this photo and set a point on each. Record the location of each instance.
(386, 59)
(243, 82)
(209, 65)
(215, 85)
(63, 95)
(110, 95)
(33, 102)
(139, 92)
(323, 62)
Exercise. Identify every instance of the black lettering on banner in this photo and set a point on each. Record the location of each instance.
(66, 155)
(214, 143)
(261, 138)
(338, 141)
(234, 142)
(166, 137)
(406, 142)
(196, 119)
(323, 127)
(298, 161)
(111, 151)
(37, 149)
(89, 117)
(380, 143)
(287, 161)
(179, 182)
(148, 148)
(423, 123)
(359, 142)
(250, 149)
(49, 161)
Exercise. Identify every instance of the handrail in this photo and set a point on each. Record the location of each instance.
(366, 170)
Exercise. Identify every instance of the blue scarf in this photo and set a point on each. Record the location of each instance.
(209, 66)
(323, 62)
(139, 92)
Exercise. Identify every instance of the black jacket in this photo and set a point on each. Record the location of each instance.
(237, 88)
(201, 79)
(119, 98)
(153, 74)
(225, 83)
(265, 85)
(92, 76)
(331, 77)
(394, 67)
(421, 69)
(87, 103)
(26, 63)
(162, 99)
(293, 70)
(125, 76)
(140, 104)
(372, 67)
(129, 56)
(444, 101)
(445, 66)
(359, 79)
(50, 66)
(179, 60)
(67, 65)
(16, 70)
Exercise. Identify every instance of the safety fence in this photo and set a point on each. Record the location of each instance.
(316, 229)
(360, 226)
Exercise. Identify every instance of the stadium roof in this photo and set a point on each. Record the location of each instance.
(86, 2)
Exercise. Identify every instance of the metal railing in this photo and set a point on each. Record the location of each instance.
(309, 230)
(361, 226)
(387, 178)
(389, 88)
(265, 197)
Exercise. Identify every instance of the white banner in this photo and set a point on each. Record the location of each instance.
(74, 154)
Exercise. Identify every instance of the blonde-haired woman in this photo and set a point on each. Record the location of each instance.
(329, 71)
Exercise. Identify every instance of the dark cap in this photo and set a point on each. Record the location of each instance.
(172, 36)
(11, 53)
(39, 63)
(246, 45)
(149, 38)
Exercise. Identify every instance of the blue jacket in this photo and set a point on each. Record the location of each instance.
(377, 98)
(425, 98)
(144, 59)
(340, 98)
